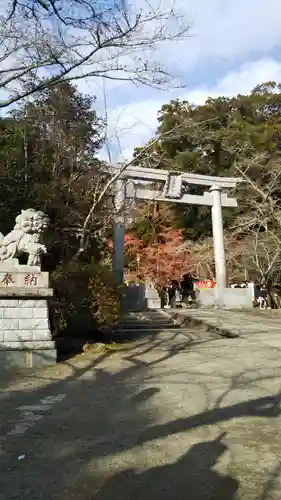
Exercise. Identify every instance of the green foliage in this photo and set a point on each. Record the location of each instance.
(87, 298)
(71, 307)
(14, 194)
(238, 136)
(152, 219)
(105, 295)
(48, 161)
(215, 138)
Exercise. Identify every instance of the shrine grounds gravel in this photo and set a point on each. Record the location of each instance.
(168, 416)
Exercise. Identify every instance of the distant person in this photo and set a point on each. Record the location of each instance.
(178, 297)
(166, 299)
(172, 294)
(262, 296)
(190, 300)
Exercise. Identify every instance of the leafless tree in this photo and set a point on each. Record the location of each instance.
(260, 222)
(43, 42)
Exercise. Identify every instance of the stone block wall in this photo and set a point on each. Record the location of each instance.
(24, 324)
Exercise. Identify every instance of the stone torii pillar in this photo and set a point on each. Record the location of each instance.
(219, 250)
(119, 231)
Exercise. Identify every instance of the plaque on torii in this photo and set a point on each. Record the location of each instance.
(174, 187)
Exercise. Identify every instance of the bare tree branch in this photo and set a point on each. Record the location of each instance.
(113, 178)
(260, 223)
(81, 39)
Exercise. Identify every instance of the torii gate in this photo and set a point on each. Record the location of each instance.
(175, 185)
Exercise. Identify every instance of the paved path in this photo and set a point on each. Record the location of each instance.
(234, 323)
(165, 419)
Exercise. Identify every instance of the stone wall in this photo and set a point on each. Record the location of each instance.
(25, 334)
(229, 298)
(24, 320)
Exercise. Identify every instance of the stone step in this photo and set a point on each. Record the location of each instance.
(151, 331)
(145, 317)
(147, 314)
(146, 321)
(145, 326)
(167, 337)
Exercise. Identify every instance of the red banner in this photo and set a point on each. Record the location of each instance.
(204, 285)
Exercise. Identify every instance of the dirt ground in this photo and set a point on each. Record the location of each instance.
(164, 418)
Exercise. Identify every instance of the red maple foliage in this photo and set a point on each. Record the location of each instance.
(160, 262)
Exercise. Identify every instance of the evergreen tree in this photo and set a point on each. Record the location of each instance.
(49, 161)
(239, 136)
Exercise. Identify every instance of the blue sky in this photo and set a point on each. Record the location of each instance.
(233, 46)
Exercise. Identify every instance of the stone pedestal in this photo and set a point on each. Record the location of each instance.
(140, 298)
(25, 335)
(152, 298)
(226, 298)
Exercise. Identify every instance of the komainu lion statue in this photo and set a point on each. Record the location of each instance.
(25, 238)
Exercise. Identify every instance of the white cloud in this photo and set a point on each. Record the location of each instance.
(225, 29)
(133, 125)
(243, 80)
(220, 30)
(227, 32)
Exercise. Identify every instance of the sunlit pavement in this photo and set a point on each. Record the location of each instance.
(164, 418)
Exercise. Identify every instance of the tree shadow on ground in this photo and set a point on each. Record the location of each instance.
(190, 477)
(146, 325)
(268, 407)
(104, 414)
